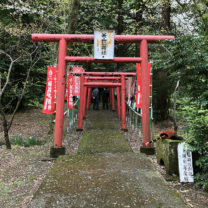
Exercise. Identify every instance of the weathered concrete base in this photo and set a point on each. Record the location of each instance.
(79, 129)
(147, 150)
(125, 130)
(167, 154)
(57, 151)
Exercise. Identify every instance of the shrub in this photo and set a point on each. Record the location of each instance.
(199, 145)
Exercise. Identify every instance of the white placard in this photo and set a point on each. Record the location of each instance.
(185, 163)
(104, 44)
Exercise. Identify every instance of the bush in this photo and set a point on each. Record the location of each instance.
(27, 142)
(199, 144)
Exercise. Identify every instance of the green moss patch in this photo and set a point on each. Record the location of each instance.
(99, 141)
(167, 154)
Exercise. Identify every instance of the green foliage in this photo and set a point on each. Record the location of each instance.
(184, 59)
(18, 20)
(26, 142)
(199, 144)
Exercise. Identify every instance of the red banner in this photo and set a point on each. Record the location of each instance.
(49, 101)
(70, 92)
(138, 90)
(76, 79)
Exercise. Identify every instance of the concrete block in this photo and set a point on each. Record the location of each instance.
(167, 154)
(57, 151)
(147, 150)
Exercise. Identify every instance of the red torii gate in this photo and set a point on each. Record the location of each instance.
(109, 82)
(63, 39)
(106, 78)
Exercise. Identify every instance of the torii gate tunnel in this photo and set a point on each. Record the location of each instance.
(63, 39)
(117, 81)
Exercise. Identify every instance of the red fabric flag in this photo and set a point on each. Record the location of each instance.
(138, 90)
(70, 92)
(49, 101)
(76, 79)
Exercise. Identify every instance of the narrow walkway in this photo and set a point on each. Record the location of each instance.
(104, 173)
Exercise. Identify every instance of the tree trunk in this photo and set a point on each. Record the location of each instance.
(166, 9)
(162, 97)
(73, 16)
(5, 127)
(161, 80)
(120, 29)
(139, 22)
(73, 19)
(174, 107)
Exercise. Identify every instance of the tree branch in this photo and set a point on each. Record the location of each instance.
(181, 4)
(24, 87)
(166, 49)
(9, 71)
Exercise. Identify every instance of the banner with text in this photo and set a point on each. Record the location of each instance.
(76, 80)
(138, 89)
(49, 101)
(70, 92)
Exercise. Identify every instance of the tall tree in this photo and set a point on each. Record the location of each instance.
(166, 11)
(120, 30)
(73, 16)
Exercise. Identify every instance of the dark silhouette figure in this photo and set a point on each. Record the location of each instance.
(95, 98)
(105, 96)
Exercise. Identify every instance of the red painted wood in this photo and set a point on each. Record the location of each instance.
(87, 59)
(123, 106)
(81, 101)
(101, 84)
(118, 101)
(113, 99)
(145, 93)
(107, 73)
(90, 38)
(84, 104)
(58, 135)
(89, 90)
(102, 78)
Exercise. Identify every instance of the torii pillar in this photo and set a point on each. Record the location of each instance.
(58, 149)
(146, 148)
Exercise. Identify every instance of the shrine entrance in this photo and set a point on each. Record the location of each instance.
(87, 83)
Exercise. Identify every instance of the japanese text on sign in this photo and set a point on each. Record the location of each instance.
(185, 163)
(76, 80)
(70, 92)
(104, 44)
(49, 101)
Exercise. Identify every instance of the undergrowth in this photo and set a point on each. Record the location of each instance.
(26, 142)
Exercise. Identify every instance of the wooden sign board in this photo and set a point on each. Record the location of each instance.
(104, 44)
(185, 163)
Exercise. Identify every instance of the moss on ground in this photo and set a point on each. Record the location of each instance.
(98, 141)
(105, 173)
(105, 180)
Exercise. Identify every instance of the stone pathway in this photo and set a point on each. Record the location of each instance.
(104, 173)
